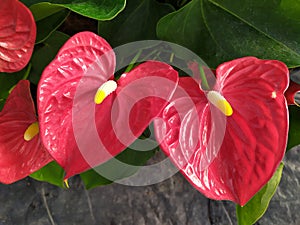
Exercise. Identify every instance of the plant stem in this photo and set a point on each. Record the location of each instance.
(133, 61)
(204, 83)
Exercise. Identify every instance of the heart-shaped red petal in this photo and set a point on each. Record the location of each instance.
(82, 53)
(233, 157)
(19, 158)
(104, 130)
(80, 134)
(17, 35)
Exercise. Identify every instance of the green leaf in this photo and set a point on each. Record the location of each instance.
(136, 22)
(123, 165)
(92, 179)
(47, 25)
(45, 53)
(9, 80)
(222, 30)
(43, 10)
(51, 173)
(95, 9)
(294, 129)
(257, 206)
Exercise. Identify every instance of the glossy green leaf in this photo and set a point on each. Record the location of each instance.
(51, 173)
(92, 179)
(95, 9)
(46, 26)
(221, 30)
(116, 170)
(45, 53)
(257, 206)
(43, 10)
(294, 129)
(9, 80)
(136, 22)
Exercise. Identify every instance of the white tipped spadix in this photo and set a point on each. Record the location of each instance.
(105, 90)
(220, 102)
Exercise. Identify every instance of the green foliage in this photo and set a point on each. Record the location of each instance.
(51, 173)
(8, 81)
(45, 53)
(257, 206)
(42, 10)
(294, 129)
(221, 30)
(216, 30)
(123, 165)
(95, 9)
(138, 16)
(48, 18)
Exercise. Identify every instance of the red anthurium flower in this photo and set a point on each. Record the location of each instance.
(21, 150)
(85, 116)
(229, 141)
(17, 35)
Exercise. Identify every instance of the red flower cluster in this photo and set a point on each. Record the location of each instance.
(227, 141)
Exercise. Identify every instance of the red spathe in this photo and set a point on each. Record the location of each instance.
(19, 158)
(80, 134)
(229, 158)
(17, 35)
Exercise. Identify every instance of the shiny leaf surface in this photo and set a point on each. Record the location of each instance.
(51, 173)
(96, 9)
(265, 29)
(43, 10)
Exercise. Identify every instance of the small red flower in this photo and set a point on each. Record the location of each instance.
(292, 94)
(17, 35)
(21, 150)
(85, 116)
(229, 141)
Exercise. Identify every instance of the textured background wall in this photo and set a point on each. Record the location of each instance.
(173, 201)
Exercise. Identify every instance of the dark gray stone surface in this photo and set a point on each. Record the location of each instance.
(172, 202)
